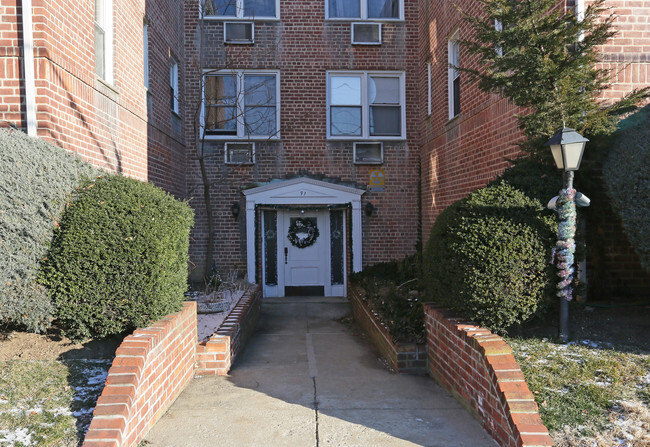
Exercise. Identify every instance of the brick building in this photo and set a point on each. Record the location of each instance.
(466, 134)
(325, 91)
(92, 89)
(325, 117)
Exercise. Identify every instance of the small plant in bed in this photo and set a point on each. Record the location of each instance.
(391, 291)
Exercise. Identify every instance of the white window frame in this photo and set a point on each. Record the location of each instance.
(498, 26)
(225, 153)
(240, 13)
(365, 106)
(363, 13)
(107, 28)
(241, 128)
(173, 84)
(453, 58)
(145, 54)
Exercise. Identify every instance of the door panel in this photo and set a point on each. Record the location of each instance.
(304, 266)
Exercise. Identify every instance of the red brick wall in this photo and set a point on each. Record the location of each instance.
(462, 154)
(403, 357)
(479, 369)
(216, 355)
(151, 368)
(304, 47)
(465, 153)
(105, 124)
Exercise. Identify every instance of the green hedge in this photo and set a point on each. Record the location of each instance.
(627, 177)
(36, 181)
(119, 259)
(488, 257)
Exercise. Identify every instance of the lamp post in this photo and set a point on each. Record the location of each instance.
(567, 147)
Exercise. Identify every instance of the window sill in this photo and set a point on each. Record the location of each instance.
(365, 139)
(237, 19)
(104, 83)
(236, 139)
(357, 19)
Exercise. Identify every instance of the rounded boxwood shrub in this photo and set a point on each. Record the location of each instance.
(36, 181)
(119, 259)
(488, 257)
(627, 178)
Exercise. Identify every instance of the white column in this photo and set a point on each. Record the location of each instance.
(356, 236)
(250, 241)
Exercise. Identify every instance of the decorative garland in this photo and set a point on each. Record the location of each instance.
(566, 246)
(303, 227)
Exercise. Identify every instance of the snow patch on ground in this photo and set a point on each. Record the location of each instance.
(11, 437)
(208, 323)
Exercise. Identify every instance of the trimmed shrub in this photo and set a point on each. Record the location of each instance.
(119, 259)
(627, 177)
(36, 181)
(488, 257)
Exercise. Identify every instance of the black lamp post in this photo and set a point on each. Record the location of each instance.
(567, 147)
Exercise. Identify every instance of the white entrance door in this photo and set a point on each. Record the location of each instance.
(304, 268)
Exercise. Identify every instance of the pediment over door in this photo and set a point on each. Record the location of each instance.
(303, 191)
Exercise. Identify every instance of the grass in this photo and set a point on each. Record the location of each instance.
(586, 389)
(48, 403)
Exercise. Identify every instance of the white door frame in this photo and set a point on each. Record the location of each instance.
(302, 191)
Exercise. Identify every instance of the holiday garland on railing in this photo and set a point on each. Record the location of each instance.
(303, 233)
(566, 246)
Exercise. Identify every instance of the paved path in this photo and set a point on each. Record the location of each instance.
(306, 380)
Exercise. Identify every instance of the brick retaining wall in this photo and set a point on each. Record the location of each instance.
(215, 356)
(479, 369)
(402, 357)
(151, 368)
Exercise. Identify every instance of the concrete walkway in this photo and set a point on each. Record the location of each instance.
(306, 379)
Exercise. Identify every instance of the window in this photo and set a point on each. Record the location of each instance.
(241, 104)
(173, 84)
(104, 39)
(365, 105)
(453, 86)
(250, 9)
(365, 9)
(145, 54)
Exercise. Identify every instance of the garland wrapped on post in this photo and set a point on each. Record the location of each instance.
(566, 246)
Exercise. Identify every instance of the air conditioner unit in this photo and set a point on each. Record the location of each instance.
(240, 153)
(366, 33)
(238, 32)
(368, 153)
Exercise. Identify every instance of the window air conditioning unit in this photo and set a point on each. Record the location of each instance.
(366, 33)
(238, 32)
(368, 153)
(240, 153)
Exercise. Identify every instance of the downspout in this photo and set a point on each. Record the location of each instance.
(28, 68)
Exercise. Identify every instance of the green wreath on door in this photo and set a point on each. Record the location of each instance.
(302, 233)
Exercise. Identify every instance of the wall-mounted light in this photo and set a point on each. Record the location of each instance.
(235, 209)
(369, 209)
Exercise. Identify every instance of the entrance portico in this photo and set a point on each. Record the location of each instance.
(286, 267)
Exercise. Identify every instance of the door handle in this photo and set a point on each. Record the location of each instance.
(286, 254)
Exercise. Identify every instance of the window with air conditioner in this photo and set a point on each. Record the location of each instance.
(240, 153)
(366, 33)
(366, 105)
(238, 32)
